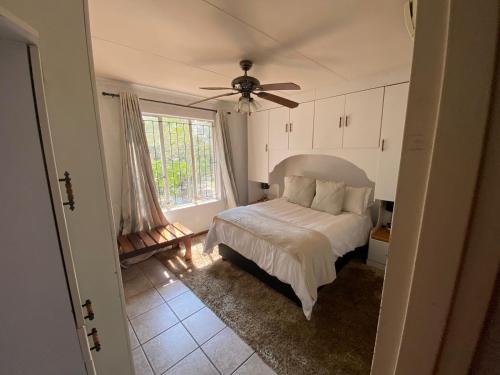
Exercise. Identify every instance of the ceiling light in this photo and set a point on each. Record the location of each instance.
(245, 105)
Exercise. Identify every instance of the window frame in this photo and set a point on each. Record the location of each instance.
(196, 201)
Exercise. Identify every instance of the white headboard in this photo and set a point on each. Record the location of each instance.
(323, 167)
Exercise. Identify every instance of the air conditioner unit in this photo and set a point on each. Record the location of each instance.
(410, 13)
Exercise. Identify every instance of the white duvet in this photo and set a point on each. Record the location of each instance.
(298, 245)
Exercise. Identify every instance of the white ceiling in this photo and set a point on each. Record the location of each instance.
(184, 44)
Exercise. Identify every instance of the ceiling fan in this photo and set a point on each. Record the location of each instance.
(247, 85)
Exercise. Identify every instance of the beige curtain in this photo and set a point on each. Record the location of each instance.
(225, 158)
(140, 208)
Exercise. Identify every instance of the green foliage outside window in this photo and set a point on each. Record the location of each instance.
(177, 150)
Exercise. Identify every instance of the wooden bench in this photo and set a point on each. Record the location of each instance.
(134, 244)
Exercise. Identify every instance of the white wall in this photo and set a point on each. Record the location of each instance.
(197, 218)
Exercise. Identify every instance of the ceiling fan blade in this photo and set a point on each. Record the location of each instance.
(279, 86)
(214, 97)
(277, 99)
(216, 88)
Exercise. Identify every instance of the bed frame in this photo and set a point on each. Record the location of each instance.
(252, 268)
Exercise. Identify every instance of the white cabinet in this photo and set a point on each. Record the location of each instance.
(393, 121)
(378, 251)
(279, 119)
(328, 123)
(343, 125)
(363, 113)
(301, 127)
(258, 124)
(76, 134)
(39, 331)
(291, 129)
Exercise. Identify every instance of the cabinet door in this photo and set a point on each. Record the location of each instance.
(393, 122)
(278, 128)
(77, 139)
(363, 111)
(301, 127)
(258, 124)
(328, 123)
(38, 327)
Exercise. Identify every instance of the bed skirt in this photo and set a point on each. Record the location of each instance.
(252, 268)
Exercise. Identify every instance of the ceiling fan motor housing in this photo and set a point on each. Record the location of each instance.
(245, 84)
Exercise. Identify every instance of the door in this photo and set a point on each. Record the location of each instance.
(328, 123)
(393, 122)
(76, 135)
(258, 124)
(39, 334)
(279, 119)
(363, 114)
(301, 127)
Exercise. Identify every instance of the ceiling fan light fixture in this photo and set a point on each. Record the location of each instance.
(245, 105)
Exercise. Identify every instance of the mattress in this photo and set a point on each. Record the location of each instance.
(298, 245)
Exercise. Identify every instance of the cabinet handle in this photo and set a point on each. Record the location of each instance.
(286, 127)
(383, 144)
(90, 312)
(69, 191)
(340, 121)
(95, 340)
(291, 128)
(266, 147)
(346, 121)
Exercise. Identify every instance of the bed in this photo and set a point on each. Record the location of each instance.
(297, 246)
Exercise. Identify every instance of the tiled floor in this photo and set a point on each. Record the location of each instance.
(173, 332)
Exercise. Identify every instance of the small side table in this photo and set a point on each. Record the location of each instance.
(378, 248)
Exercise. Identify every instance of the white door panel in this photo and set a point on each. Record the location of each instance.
(258, 146)
(363, 111)
(279, 119)
(393, 122)
(39, 334)
(301, 127)
(75, 130)
(329, 123)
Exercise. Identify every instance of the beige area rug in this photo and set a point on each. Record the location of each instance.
(339, 339)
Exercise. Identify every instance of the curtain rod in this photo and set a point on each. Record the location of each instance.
(104, 93)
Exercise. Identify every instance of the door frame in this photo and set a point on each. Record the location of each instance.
(450, 90)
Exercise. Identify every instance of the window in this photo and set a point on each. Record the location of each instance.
(183, 159)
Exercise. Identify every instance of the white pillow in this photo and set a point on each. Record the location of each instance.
(299, 190)
(329, 197)
(356, 199)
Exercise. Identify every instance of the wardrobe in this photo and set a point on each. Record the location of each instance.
(62, 300)
(363, 125)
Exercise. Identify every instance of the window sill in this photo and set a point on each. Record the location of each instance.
(190, 205)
